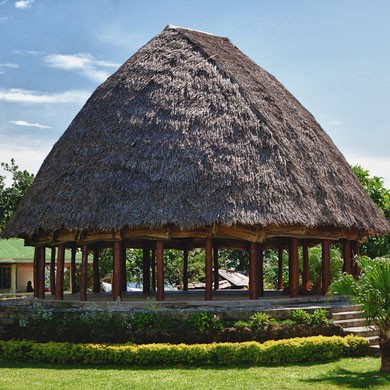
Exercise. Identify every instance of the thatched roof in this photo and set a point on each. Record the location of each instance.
(190, 132)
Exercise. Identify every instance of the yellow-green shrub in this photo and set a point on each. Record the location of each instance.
(298, 350)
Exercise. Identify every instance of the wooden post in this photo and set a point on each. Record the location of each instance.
(53, 271)
(160, 270)
(260, 271)
(209, 269)
(73, 271)
(35, 272)
(60, 273)
(347, 256)
(355, 270)
(96, 275)
(146, 269)
(306, 267)
(293, 267)
(280, 268)
(84, 273)
(253, 282)
(117, 268)
(123, 269)
(41, 277)
(325, 266)
(185, 269)
(216, 267)
(153, 266)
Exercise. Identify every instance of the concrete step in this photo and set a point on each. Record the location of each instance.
(363, 331)
(343, 315)
(350, 322)
(373, 341)
(344, 308)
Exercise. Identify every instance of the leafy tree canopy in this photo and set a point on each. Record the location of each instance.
(10, 196)
(376, 246)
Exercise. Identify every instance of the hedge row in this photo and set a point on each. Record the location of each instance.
(298, 350)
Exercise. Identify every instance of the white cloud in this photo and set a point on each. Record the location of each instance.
(83, 63)
(15, 95)
(3, 19)
(9, 65)
(28, 124)
(27, 52)
(113, 35)
(23, 4)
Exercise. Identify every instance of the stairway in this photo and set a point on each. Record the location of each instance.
(351, 320)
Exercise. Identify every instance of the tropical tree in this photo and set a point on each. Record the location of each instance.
(10, 196)
(380, 245)
(372, 291)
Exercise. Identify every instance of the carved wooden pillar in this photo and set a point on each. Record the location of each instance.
(260, 271)
(160, 270)
(253, 282)
(325, 266)
(84, 273)
(185, 269)
(209, 269)
(73, 288)
(36, 272)
(60, 272)
(216, 267)
(306, 267)
(123, 268)
(53, 271)
(153, 266)
(41, 270)
(280, 268)
(355, 270)
(146, 268)
(347, 256)
(96, 276)
(116, 273)
(293, 267)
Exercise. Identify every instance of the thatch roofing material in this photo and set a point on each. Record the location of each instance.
(190, 132)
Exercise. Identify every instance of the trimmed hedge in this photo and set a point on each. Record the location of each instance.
(298, 350)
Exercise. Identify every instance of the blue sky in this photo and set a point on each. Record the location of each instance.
(333, 55)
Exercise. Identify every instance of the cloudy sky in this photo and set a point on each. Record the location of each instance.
(333, 55)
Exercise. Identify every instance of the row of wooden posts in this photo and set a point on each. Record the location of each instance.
(153, 269)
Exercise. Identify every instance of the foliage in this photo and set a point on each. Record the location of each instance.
(11, 196)
(298, 350)
(302, 317)
(204, 321)
(261, 321)
(380, 245)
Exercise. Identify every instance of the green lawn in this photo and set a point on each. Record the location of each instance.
(359, 373)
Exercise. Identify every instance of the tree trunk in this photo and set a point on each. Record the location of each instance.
(384, 343)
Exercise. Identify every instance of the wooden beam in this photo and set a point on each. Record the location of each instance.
(41, 271)
(280, 268)
(325, 266)
(60, 272)
(117, 268)
(146, 269)
(160, 270)
(185, 269)
(36, 272)
(253, 282)
(293, 267)
(216, 267)
(209, 269)
(96, 275)
(260, 271)
(73, 288)
(53, 271)
(347, 256)
(305, 266)
(84, 273)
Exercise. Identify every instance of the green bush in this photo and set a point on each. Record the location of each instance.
(204, 322)
(261, 321)
(297, 350)
(302, 317)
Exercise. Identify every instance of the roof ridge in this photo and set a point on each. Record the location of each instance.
(174, 27)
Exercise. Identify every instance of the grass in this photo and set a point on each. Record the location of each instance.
(362, 373)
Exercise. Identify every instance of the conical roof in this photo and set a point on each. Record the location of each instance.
(190, 132)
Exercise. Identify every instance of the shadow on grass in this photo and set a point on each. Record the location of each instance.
(353, 379)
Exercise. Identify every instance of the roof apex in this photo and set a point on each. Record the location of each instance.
(173, 27)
